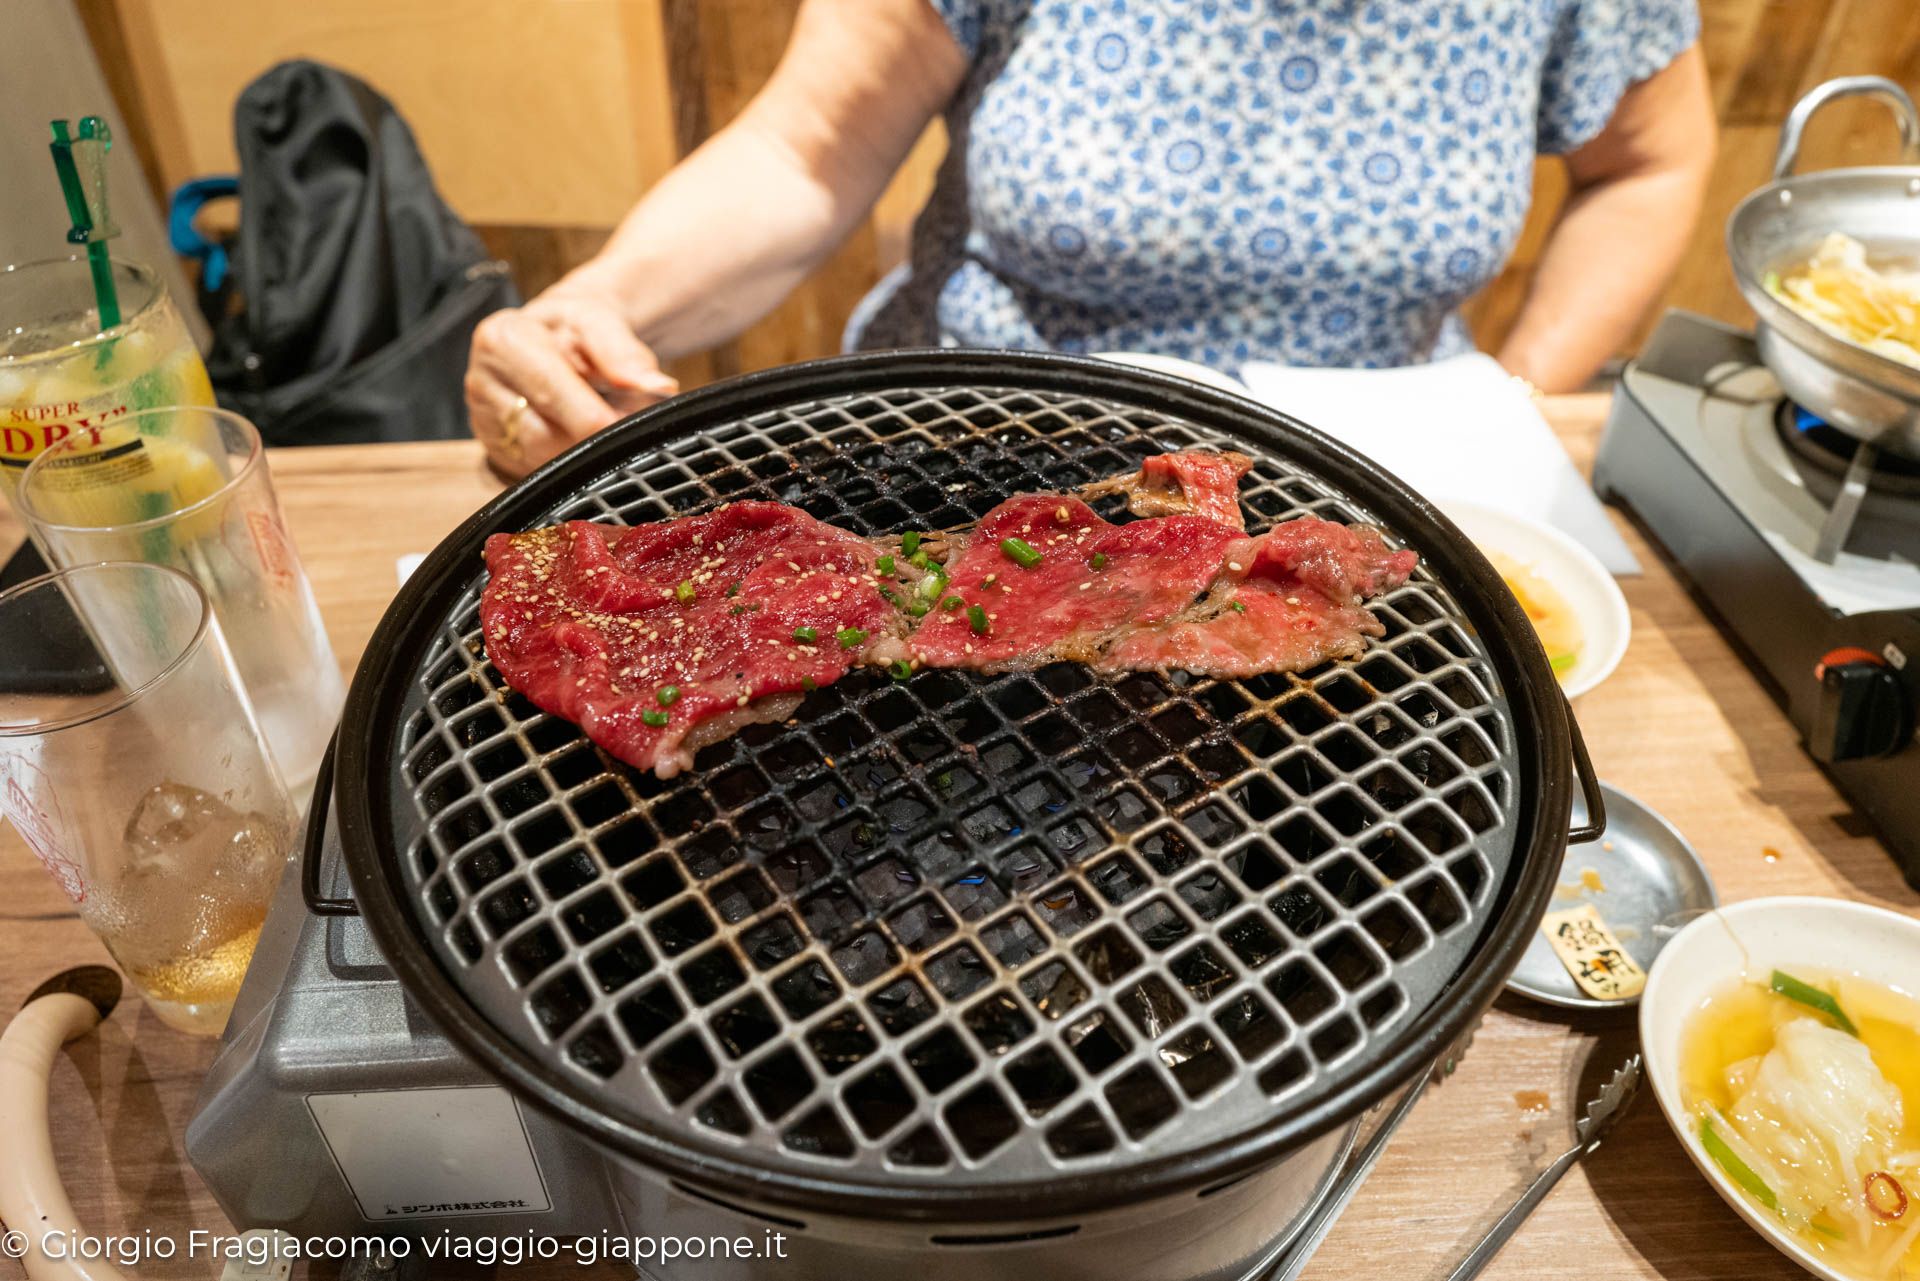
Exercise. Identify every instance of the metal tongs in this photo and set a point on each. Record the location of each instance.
(1604, 1109)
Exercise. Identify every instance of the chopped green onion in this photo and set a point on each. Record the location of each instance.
(738, 610)
(1826, 1231)
(1771, 282)
(654, 718)
(899, 669)
(978, 617)
(806, 683)
(944, 781)
(1099, 561)
(1238, 607)
(952, 602)
(667, 695)
(1807, 994)
(892, 597)
(733, 590)
(1020, 552)
(1563, 663)
(850, 636)
(918, 560)
(806, 635)
(909, 543)
(930, 586)
(684, 592)
(1739, 1171)
(919, 609)
(884, 565)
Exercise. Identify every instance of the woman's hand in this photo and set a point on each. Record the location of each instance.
(544, 376)
(696, 262)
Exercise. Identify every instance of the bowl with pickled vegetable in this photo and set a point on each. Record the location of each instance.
(1572, 601)
(1782, 1038)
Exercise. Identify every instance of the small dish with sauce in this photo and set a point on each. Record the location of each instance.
(1569, 596)
(1643, 879)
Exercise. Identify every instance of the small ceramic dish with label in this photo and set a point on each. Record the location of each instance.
(1643, 879)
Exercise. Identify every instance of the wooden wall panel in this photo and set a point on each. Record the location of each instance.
(109, 39)
(531, 112)
(905, 196)
(1726, 33)
(1786, 35)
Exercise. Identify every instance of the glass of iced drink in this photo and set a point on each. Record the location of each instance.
(137, 772)
(61, 372)
(187, 486)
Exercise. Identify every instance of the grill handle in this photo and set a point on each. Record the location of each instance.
(1596, 825)
(314, 838)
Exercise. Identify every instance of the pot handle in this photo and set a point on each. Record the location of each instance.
(1848, 87)
(1596, 825)
(315, 838)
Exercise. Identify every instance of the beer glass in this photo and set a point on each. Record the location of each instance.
(139, 776)
(188, 486)
(60, 371)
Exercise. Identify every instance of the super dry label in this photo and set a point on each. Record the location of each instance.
(26, 431)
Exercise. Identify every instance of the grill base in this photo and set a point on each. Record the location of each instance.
(321, 1015)
(1228, 1236)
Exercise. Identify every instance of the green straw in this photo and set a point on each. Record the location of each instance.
(82, 165)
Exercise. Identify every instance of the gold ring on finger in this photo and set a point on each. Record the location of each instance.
(510, 426)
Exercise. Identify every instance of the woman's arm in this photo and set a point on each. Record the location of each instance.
(725, 235)
(1636, 190)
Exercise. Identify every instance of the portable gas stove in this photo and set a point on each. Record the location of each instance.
(964, 975)
(1804, 543)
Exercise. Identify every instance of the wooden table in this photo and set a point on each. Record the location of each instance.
(1682, 725)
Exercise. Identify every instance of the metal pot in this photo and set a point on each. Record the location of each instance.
(1863, 393)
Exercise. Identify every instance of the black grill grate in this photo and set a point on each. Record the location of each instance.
(1010, 923)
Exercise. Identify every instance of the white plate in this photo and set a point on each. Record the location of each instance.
(1572, 570)
(1177, 367)
(1754, 938)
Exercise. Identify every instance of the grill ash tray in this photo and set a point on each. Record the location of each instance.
(962, 930)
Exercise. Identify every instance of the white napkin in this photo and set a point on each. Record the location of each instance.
(1853, 584)
(1455, 429)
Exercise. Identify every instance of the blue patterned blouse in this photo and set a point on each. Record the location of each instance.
(1317, 182)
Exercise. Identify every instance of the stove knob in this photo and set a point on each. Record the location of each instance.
(1864, 710)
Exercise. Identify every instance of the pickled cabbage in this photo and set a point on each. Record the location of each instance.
(1815, 1123)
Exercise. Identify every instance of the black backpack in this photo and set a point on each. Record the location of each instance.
(352, 290)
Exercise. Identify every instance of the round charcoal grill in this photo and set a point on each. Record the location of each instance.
(1023, 962)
